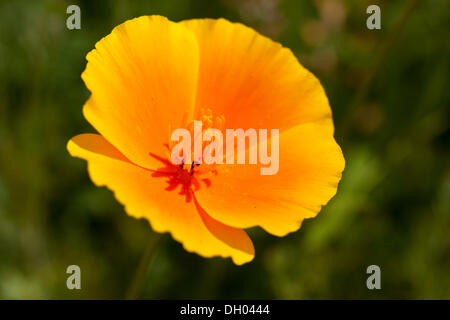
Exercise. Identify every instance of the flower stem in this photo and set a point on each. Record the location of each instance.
(139, 277)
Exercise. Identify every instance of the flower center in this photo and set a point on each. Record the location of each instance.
(189, 177)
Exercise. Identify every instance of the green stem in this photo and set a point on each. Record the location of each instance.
(139, 278)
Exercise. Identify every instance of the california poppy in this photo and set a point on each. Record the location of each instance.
(150, 75)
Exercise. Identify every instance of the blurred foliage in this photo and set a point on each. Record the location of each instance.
(392, 207)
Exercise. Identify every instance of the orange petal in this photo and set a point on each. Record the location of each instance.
(253, 81)
(310, 167)
(143, 80)
(144, 197)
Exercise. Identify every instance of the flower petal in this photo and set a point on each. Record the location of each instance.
(143, 80)
(144, 197)
(310, 167)
(253, 81)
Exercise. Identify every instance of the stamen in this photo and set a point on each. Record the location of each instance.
(188, 178)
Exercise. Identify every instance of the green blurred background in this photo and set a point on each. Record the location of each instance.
(389, 93)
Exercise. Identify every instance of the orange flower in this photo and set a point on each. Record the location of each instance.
(151, 75)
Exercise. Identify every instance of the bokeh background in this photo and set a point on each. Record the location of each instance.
(389, 93)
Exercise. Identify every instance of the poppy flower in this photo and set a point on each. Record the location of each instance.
(152, 75)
